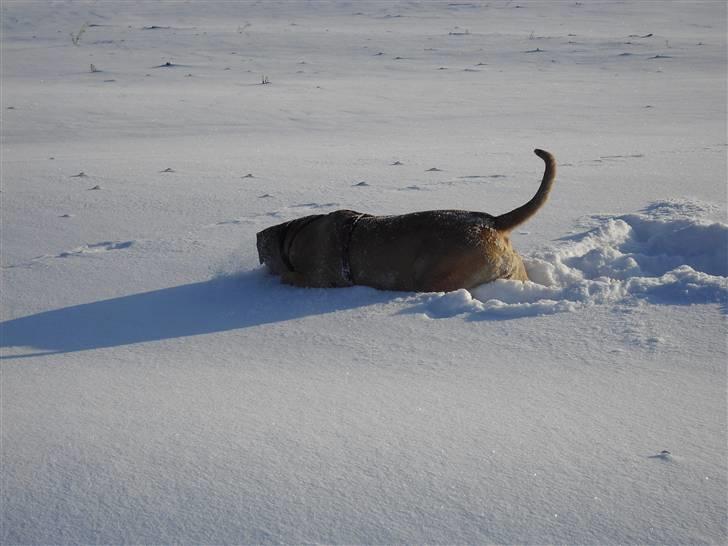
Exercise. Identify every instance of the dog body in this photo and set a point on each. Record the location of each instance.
(431, 251)
(428, 251)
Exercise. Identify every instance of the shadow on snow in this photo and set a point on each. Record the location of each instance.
(218, 305)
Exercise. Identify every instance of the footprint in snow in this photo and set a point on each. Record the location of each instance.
(629, 156)
(96, 248)
(314, 205)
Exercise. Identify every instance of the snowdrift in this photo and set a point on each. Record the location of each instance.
(665, 254)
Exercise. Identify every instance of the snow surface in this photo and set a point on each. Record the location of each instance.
(159, 387)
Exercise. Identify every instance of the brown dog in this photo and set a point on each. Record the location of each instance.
(429, 251)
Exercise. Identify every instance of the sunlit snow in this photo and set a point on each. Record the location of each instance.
(159, 387)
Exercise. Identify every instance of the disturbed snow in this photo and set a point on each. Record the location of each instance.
(665, 254)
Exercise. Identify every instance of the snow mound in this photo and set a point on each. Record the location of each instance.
(665, 254)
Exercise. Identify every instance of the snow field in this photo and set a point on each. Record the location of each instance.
(157, 386)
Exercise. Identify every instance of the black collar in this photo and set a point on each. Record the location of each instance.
(346, 264)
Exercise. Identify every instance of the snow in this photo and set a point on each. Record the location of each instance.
(662, 255)
(158, 386)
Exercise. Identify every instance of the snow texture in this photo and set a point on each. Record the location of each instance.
(660, 255)
(157, 386)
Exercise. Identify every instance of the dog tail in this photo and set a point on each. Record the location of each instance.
(509, 220)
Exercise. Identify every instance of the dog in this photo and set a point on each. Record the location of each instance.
(429, 251)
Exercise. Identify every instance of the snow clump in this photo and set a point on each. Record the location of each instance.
(665, 254)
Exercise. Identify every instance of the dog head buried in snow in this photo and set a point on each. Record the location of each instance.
(430, 251)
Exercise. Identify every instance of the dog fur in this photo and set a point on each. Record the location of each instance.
(430, 251)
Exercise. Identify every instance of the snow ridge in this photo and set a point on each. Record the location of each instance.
(664, 254)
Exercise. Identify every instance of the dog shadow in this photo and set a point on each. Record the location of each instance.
(221, 304)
